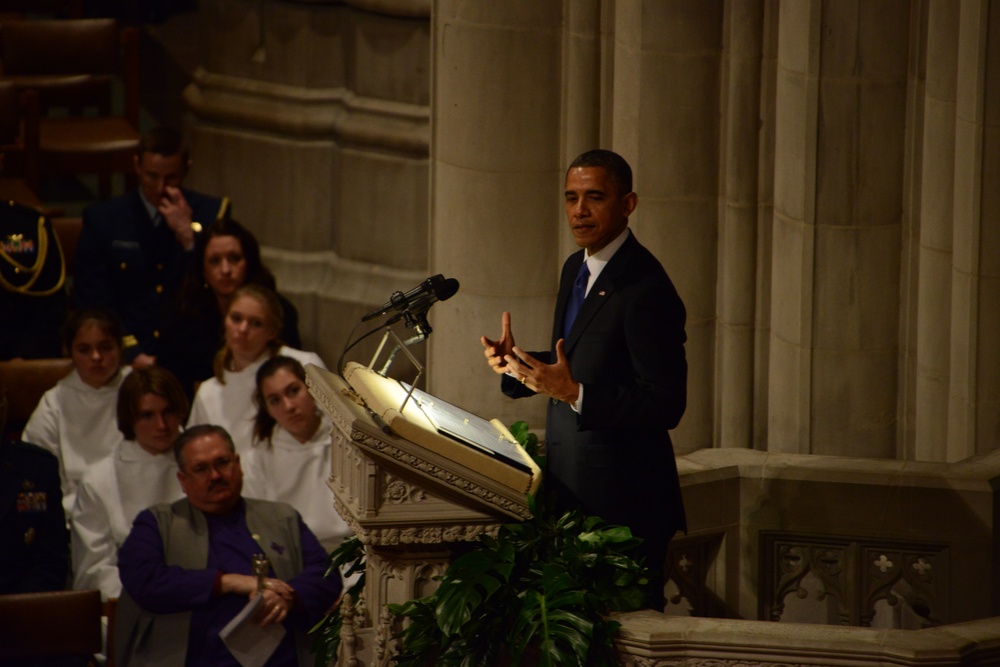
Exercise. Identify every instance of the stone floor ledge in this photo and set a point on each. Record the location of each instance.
(652, 639)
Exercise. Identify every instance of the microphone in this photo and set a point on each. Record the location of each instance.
(420, 298)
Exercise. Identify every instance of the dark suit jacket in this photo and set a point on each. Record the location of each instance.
(615, 459)
(35, 543)
(125, 263)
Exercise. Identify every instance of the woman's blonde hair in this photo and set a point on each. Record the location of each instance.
(276, 318)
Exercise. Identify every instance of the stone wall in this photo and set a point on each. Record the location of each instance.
(814, 174)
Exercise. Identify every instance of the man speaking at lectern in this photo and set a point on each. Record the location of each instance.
(616, 374)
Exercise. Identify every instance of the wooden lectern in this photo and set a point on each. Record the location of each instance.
(414, 477)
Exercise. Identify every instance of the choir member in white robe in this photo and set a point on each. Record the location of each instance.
(252, 324)
(290, 458)
(75, 420)
(151, 406)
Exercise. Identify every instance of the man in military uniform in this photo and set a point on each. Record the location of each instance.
(35, 551)
(133, 249)
(33, 297)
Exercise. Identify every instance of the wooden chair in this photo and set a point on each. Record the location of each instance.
(110, 609)
(70, 9)
(51, 624)
(25, 380)
(70, 66)
(68, 232)
(13, 186)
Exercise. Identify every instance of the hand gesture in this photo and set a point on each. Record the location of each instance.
(176, 213)
(496, 351)
(555, 380)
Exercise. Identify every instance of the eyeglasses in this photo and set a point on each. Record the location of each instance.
(219, 465)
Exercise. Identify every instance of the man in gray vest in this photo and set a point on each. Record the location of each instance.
(187, 568)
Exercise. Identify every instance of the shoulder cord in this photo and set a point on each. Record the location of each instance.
(35, 271)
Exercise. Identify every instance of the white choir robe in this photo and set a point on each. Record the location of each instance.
(230, 404)
(78, 424)
(294, 472)
(112, 492)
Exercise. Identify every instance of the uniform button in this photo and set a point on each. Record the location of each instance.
(156, 334)
(123, 266)
(159, 267)
(159, 289)
(554, 401)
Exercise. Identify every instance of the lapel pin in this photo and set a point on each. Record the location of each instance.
(602, 293)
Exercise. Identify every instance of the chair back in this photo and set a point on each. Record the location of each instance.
(25, 380)
(50, 624)
(68, 232)
(52, 46)
(10, 114)
(75, 65)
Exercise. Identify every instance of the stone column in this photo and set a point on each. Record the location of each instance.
(842, 95)
(314, 119)
(496, 214)
(796, 111)
(860, 136)
(973, 419)
(934, 313)
(910, 248)
(667, 62)
(737, 268)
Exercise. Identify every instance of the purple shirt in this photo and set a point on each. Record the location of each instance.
(163, 589)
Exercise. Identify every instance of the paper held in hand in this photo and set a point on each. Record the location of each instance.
(249, 643)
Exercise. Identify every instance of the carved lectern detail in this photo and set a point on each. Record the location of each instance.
(410, 501)
(399, 492)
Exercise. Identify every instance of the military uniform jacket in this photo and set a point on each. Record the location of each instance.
(33, 298)
(126, 263)
(35, 552)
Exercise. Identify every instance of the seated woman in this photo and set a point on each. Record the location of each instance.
(252, 326)
(225, 257)
(290, 458)
(141, 472)
(75, 420)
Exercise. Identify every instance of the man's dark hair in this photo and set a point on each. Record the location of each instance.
(199, 431)
(165, 141)
(609, 161)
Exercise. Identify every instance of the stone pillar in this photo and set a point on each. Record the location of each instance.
(934, 313)
(986, 364)
(973, 419)
(738, 223)
(314, 119)
(858, 191)
(796, 111)
(496, 214)
(910, 248)
(667, 62)
(841, 106)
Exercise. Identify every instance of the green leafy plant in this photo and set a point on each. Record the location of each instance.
(540, 591)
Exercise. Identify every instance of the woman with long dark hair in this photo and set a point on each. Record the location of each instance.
(290, 458)
(226, 257)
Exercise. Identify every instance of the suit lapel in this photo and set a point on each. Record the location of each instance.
(600, 292)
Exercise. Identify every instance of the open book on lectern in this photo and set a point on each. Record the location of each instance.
(485, 446)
